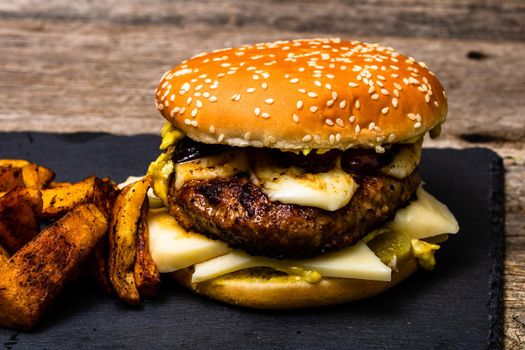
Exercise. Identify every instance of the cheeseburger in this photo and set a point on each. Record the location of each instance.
(289, 172)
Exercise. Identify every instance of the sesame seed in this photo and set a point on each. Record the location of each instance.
(295, 118)
(206, 94)
(312, 94)
(317, 138)
(182, 110)
(379, 83)
(172, 98)
(328, 86)
(357, 104)
(338, 137)
(299, 104)
(247, 136)
(317, 83)
(307, 138)
(385, 110)
(265, 115)
(194, 112)
(198, 104)
(255, 77)
(220, 138)
(381, 77)
(188, 100)
(331, 139)
(294, 80)
(351, 119)
(269, 101)
(427, 98)
(371, 89)
(250, 90)
(436, 103)
(385, 92)
(213, 99)
(340, 122)
(342, 104)
(329, 122)
(194, 123)
(257, 111)
(371, 126)
(187, 121)
(357, 129)
(212, 129)
(314, 109)
(394, 102)
(375, 97)
(411, 116)
(417, 125)
(352, 84)
(391, 137)
(264, 85)
(329, 103)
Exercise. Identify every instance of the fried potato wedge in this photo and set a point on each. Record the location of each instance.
(147, 277)
(36, 274)
(125, 215)
(21, 173)
(60, 199)
(20, 211)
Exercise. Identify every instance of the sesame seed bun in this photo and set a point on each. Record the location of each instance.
(313, 93)
(262, 290)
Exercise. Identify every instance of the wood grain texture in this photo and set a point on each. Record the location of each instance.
(94, 66)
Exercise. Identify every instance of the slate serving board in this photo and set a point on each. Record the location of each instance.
(457, 306)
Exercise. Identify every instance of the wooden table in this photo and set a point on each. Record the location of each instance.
(70, 67)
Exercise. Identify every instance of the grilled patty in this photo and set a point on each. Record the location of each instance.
(236, 211)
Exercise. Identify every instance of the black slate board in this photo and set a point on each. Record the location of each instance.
(458, 306)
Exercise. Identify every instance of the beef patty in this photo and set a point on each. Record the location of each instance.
(236, 211)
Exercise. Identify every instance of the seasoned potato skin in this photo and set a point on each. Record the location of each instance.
(36, 274)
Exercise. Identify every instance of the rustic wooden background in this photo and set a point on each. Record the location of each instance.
(78, 66)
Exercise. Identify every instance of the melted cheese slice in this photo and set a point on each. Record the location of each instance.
(356, 261)
(425, 217)
(405, 161)
(330, 190)
(219, 166)
(173, 248)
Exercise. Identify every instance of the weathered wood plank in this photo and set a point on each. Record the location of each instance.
(472, 19)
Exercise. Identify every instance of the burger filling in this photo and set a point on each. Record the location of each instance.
(286, 205)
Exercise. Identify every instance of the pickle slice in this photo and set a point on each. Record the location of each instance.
(392, 247)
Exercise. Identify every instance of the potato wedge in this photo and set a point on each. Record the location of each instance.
(60, 199)
(20, 211)
(21, 173)
(125, 215)
(10, 178)
(147, 275)
(36, 274)
(14, 163)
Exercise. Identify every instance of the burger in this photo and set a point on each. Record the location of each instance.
(289, 173)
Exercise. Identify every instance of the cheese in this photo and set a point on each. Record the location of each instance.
(356, 261)
(218, 166)
(330, 190)
(405, 161)
(173, 248)
(425, 217)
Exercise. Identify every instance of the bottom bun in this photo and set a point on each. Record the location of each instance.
(264, 288)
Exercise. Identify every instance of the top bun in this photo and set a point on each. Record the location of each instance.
(311, 93)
